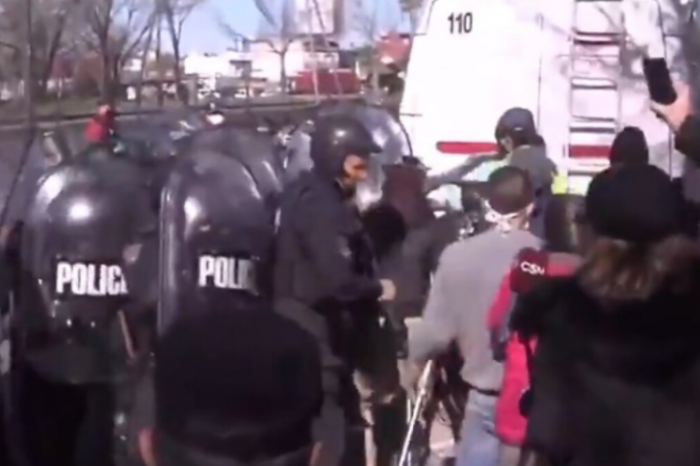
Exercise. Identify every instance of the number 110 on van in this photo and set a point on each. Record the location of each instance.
(460, 23)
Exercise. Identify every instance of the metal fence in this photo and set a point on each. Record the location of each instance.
(126, 110)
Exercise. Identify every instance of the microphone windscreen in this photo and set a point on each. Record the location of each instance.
(529, 267)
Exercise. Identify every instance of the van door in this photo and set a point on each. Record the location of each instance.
(470, 62)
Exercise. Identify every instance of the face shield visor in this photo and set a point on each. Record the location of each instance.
(392, 146)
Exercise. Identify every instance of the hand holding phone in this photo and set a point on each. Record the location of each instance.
(659, 80)
(677, 112)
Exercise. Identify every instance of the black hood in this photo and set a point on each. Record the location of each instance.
(637, 340)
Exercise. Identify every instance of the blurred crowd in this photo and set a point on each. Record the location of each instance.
(554, 329)
(573, 317)
(585, 352)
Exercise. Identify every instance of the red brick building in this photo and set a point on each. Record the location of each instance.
(393, 49)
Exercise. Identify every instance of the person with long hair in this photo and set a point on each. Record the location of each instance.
(615, 378)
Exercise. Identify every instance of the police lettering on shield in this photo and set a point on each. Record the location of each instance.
(83, 279)
(225, 272)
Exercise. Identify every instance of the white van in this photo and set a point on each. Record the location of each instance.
(575, 64)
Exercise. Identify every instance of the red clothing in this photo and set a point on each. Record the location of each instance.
(509, 423)
(98, 128)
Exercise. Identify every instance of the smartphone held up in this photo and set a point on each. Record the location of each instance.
(659, 80)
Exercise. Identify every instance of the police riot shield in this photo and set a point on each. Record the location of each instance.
(256, 151)
(21, 168)
(216, 235)
(72, 293)
(386, 130)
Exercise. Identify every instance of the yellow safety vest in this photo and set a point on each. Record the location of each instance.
(560, 185)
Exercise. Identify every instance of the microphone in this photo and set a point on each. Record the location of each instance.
(529, 267)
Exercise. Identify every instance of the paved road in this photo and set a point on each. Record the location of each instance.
(17, 118)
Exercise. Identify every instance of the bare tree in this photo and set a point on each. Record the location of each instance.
(412, 9)
(143, 72)
(115, 29)
(278, 16)
(50, 19)
(366, 22)
(319, 16)
(176, 13)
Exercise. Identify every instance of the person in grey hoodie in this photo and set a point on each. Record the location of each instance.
(464, 285)
(517, 137)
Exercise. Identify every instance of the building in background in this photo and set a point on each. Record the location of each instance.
(267, 56)
(217, 71)
(239, 44)
(303, 54)
(319, 17)
(392, 49)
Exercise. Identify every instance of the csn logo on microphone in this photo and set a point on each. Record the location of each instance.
(531, 268)
(88, 279)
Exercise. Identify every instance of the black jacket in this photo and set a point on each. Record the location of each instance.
(322, 255)
(688, 143)
(617, 385)
(408, 256)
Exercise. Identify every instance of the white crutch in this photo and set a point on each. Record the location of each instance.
(421, 398)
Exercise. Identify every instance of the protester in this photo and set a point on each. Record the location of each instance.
(616, 375)
(517, 137)
(565, 238)
(100, 126)
(686, 126)
(408, 241)
(629, 147)
(217, 404)
(464, 285)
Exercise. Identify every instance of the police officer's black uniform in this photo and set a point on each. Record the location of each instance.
(324, 276)
(73, 340)
(209, 257)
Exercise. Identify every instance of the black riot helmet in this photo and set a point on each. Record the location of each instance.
(335, 137)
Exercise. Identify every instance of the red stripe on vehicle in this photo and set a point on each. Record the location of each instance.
(583, 151)
(466, 148)
(576, 151)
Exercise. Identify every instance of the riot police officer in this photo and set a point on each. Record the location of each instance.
(208, 268)
(324, 277)
(74, 342)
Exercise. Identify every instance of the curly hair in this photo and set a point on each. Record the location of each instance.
(618, 270)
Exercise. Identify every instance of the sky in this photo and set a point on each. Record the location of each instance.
(202, 31)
